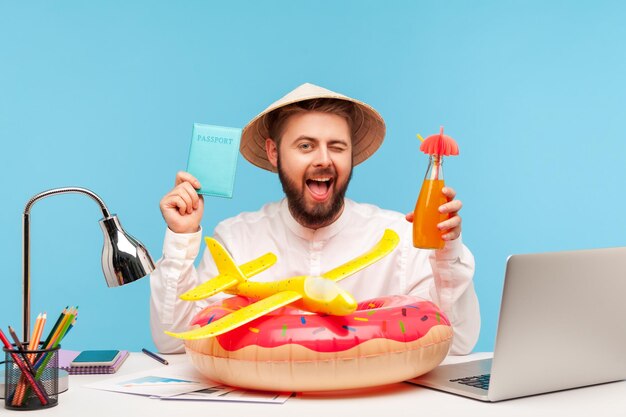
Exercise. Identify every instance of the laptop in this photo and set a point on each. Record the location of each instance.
(562, 325)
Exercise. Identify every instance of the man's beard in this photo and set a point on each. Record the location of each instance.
(322, 214)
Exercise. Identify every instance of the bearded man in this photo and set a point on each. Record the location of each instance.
(312, 138)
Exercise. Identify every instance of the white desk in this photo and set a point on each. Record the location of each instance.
(396, 400)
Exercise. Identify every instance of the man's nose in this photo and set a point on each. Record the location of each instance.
(322, 157)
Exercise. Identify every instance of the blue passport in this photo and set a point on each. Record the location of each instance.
(213, 158)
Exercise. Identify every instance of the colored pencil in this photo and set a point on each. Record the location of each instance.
(31, 345)
(36, 336)
(22, 388)
(44, 318)
(59, 328)
(46, 343)
(56, 324)
(39, 392)
(71, 326)
(68, 323)
(18, 395)
(56, 340)
(19, 345)
(69, 319)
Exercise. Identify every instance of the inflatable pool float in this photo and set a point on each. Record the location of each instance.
(386, 340)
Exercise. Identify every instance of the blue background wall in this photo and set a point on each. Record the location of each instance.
(104, 96)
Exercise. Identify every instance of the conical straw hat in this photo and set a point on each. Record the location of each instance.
(369, 130)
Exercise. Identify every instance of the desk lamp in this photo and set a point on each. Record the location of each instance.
(124, 259)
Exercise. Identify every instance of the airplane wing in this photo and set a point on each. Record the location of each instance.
(210, 288)
(384, 246)
(240, 317)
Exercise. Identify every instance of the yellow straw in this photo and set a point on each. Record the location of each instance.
(420, 137)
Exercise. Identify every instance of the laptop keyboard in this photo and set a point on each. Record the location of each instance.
(478, 381)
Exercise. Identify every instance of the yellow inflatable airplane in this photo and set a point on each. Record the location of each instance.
(315, 294)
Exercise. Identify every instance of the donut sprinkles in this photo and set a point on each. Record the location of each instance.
(386, 340)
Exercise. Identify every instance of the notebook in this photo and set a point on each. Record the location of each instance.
(213, 158)
(561, 326)
(67, 356)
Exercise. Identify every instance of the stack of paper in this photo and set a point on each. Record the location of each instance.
(182, 382)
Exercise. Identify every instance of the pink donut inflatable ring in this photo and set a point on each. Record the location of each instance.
(386, 340)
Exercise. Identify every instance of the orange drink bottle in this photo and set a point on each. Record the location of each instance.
(426, 235)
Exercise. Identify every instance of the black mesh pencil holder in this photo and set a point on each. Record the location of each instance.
(31, 387)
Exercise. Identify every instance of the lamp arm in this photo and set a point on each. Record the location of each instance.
(26, 242)
(66, 190)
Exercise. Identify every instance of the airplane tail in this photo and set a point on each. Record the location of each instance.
(230, 275)
(225, 264)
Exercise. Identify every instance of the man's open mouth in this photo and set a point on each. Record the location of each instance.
(320, 187)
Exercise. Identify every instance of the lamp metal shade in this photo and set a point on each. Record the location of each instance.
(124, 258)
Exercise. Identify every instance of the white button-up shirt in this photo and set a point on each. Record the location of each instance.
(443, 276)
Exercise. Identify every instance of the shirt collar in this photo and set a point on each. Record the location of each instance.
(323, 233)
